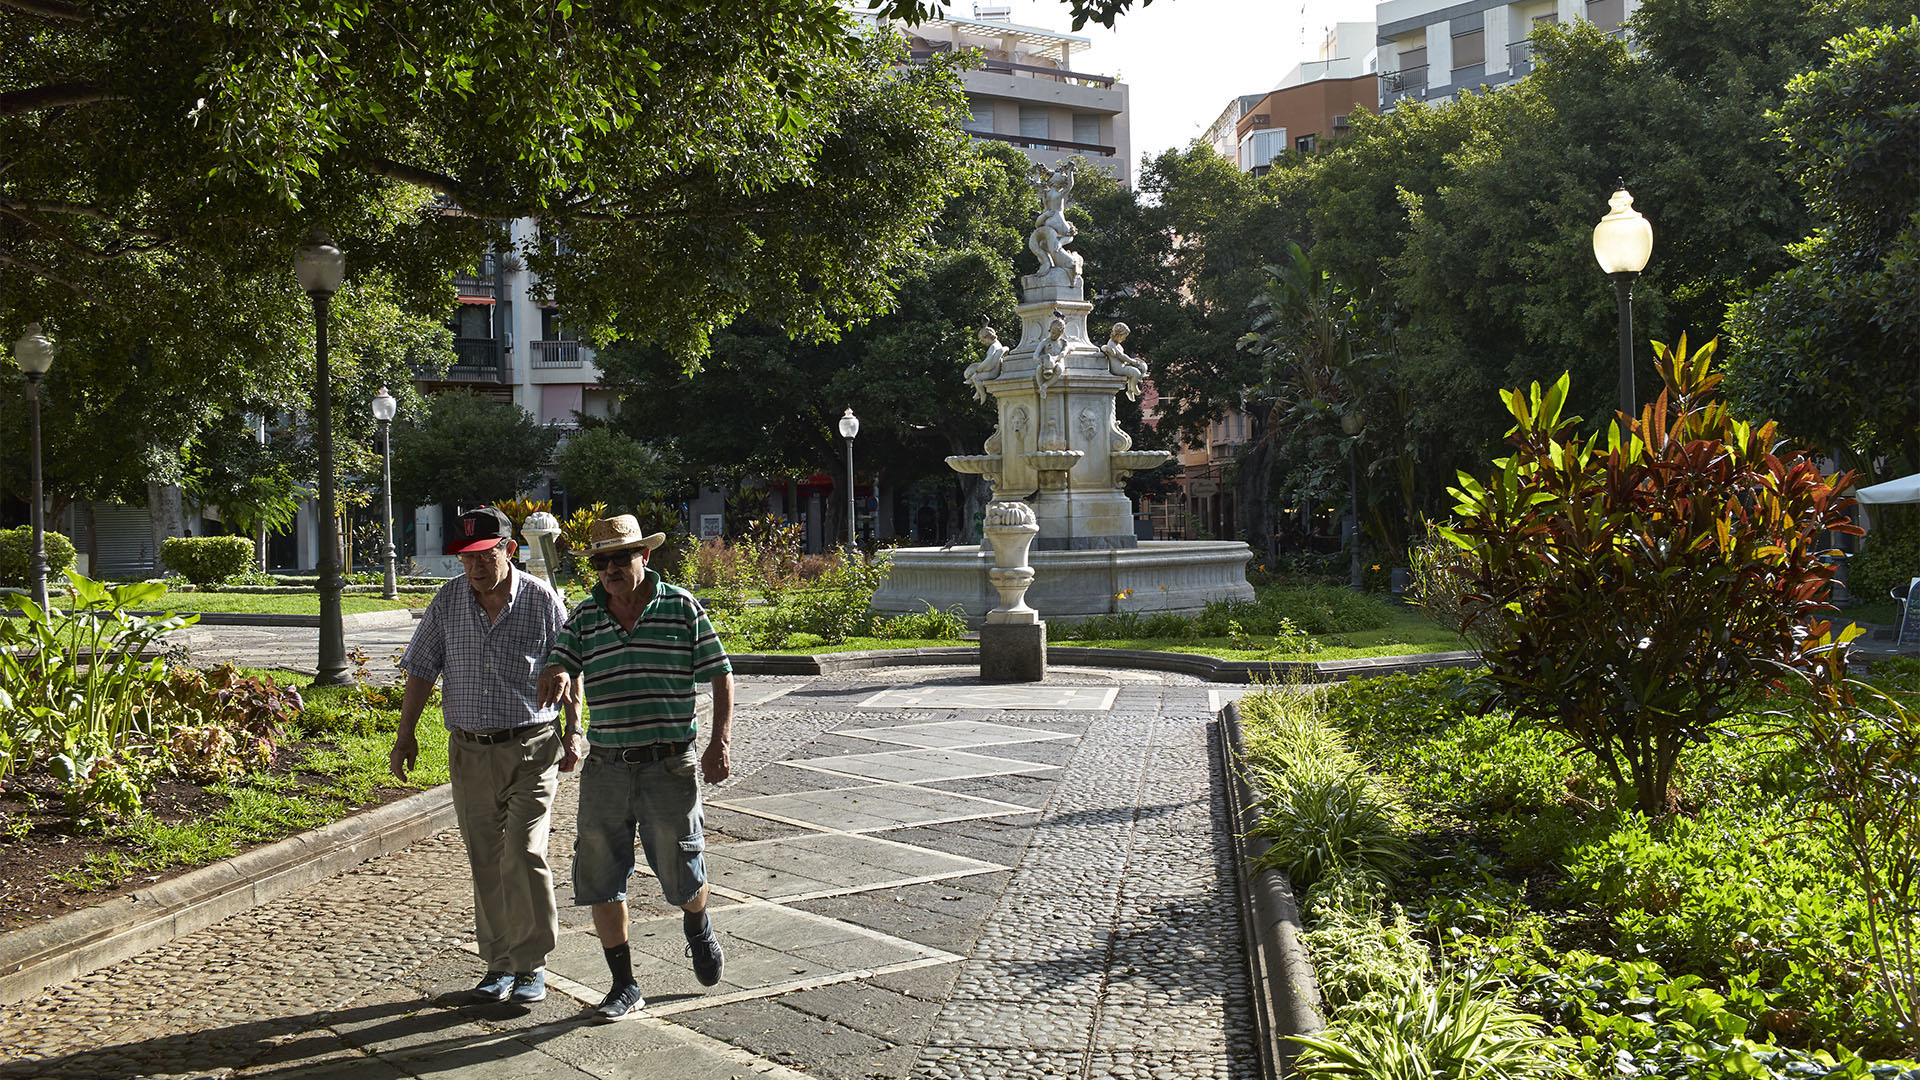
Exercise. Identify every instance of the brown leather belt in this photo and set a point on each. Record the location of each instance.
(498, 735)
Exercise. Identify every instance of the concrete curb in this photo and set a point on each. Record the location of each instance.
(1204, 667)
(65, 948)
(358, 620)
(1286, 995)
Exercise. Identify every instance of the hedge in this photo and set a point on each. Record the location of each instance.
(16, 550)
(207, 560)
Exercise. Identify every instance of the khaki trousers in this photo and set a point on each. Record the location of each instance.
(503, 799)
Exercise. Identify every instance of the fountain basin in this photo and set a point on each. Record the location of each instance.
(1180, 576)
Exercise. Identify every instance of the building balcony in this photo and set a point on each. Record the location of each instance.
(479, 360)
(556, 355)
(1031, 71)
(1409, 82)
(1520, 57)
(1034, 142)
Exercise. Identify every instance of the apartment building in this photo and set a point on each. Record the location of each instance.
(1026, 91)
(1313, 102)
(1432, 49)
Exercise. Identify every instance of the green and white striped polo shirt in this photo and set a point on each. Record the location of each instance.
(640, 685)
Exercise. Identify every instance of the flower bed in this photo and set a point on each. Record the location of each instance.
(1479, 900)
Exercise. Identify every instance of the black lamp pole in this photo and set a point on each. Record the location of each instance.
(319, 266)
(1623, 290)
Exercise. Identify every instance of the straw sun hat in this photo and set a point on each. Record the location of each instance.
(620, 533)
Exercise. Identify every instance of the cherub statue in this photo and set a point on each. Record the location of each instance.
(1050, 359)
(1119, 363)
(981, 371)
(1051, 229)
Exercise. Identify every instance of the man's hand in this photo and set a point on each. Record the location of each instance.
(554, 685)
(569, 752)
(406, 753)
(716, 764)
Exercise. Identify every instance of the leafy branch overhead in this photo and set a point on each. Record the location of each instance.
(686, 151)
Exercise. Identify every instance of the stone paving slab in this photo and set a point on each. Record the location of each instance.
(1069, 917)
(993, 698)
(916, 766)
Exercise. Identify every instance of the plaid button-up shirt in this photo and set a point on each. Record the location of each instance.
(490, 668)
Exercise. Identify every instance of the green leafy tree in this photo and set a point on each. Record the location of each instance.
(1831, 346)
(1634, 588)
(468, 450)
(767, 404)
(600, 464)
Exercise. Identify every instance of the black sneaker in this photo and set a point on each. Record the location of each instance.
(707, 957)
(493, 989)
(619, 1001)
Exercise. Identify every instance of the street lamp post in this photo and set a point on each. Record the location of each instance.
(1353, 423)
(849, 427)
(319, 266)
(34, 353)
(1622, 242)
(384, 406)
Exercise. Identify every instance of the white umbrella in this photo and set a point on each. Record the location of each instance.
(1904, 490)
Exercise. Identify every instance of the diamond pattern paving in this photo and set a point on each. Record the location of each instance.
(919, 766)
(872, 807)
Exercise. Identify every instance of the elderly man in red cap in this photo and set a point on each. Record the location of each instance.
(641, 644)
(487, 633)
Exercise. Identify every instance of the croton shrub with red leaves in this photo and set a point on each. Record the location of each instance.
(1647, 578)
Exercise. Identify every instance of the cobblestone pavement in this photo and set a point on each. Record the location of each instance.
(979, 885)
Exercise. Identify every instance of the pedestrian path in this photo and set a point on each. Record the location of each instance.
(915, 875)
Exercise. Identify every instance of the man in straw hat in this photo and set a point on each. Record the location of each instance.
(641, 644)
(487, 633)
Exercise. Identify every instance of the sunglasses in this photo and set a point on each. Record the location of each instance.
(601, 562)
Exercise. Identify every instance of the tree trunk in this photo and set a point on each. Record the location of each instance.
(1252, 487)
(164, 518)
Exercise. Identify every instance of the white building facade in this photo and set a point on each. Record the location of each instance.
(1431, 50)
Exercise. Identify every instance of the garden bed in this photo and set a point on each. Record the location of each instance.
(330, 763)
(1457, 869)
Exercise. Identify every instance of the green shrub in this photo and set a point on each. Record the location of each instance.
(1321, 817)
(928, 625)
(1888, 556)
(1643, 584)
(1461, 1026)
(207, 560)
(16, 551)
(1360, 956)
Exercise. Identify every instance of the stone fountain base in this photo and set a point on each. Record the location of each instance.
(1180, 576)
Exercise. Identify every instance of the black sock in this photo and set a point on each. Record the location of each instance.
(620, 963)
(695, 923)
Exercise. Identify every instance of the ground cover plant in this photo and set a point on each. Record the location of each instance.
(119, 762)
(1738, 935)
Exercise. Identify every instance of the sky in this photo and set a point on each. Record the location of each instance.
(1185, 59)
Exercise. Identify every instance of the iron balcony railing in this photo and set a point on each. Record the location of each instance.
(1395, 85)
(556, 354)
(479, 359)
(1009, 67)
(1035, 142)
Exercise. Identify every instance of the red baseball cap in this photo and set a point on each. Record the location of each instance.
(477, 530)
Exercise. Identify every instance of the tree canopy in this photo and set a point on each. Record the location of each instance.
(1832, 346)
(685, 162)
(467, 451)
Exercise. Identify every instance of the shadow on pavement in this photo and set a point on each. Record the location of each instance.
(421, 1036)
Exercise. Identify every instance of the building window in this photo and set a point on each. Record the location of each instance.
(1304, 143)
(1607, 14)
(1259, 148)
(1033, 122)
(1469, 49)
(982, 118)
(1086, 128)
(473, 321)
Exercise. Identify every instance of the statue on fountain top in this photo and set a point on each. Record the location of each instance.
(1052, 232)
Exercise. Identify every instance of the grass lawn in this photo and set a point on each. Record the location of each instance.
(1408, 633)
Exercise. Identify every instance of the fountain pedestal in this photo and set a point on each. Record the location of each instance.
(1058, 452)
